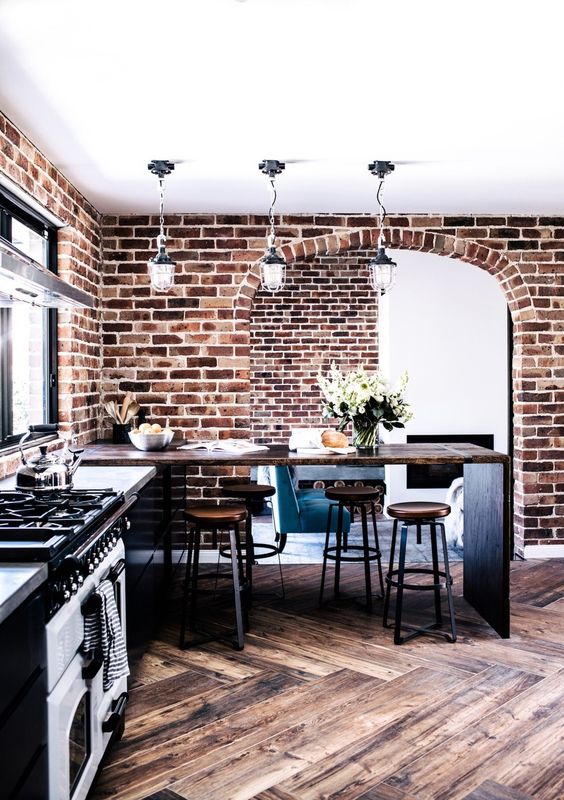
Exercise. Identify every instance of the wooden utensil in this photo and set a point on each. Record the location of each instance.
(124, 406)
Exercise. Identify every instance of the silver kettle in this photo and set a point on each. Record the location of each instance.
(48, 472)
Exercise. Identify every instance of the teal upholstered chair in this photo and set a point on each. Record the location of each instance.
(296, 511)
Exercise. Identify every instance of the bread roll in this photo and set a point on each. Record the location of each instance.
(334, 439)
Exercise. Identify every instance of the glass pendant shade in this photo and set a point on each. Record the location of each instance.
(272, 271)
(161, 270)
(382, 272)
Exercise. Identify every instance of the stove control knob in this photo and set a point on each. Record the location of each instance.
(106, 550)
(127, 525)
(114, 541)
(66, 595)
(79, 580)
(96, 561)
(90, 567)
(74, 587)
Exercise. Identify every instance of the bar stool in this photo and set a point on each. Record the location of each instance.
(358, 497)
(419, 514)
(200, 518)
(252, 493)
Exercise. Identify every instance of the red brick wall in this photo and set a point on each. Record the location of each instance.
(187, 353)
(327, 312)
(79, 263)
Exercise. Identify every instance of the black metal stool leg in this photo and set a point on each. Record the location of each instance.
(189, 549)
(327, 537)
(339, 541)
(234, 544)
(365, 544)
(401, 575)
(436, 576)
(377, 545)
(195, 570)
(448, 582)
(249, 552)
(389, 575)
(242, 579)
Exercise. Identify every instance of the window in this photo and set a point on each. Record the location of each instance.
(28, 335)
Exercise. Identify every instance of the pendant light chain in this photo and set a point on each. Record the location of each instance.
(161, 210)
(380, 201)
(272, 236)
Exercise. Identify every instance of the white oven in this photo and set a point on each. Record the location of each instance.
(82, 717)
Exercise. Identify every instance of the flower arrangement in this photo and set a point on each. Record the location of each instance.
(366, 400)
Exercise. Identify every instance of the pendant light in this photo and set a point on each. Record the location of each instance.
(381, 268)
(161, 266)
(272, 265)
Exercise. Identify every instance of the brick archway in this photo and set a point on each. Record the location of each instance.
(492, 260)
(495, 262)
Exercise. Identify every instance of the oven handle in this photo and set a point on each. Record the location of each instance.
(115, 571)
(94, 601)
(90, 670)
(112, 721)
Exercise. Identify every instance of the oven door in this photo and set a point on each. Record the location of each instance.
(75, 745)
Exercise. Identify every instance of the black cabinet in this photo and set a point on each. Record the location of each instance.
(23, 701)
(148, 564)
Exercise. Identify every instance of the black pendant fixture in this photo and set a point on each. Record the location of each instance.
(272, 265)
(161, 266)
(381, 268)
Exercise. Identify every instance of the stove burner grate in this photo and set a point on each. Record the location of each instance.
(14, 499)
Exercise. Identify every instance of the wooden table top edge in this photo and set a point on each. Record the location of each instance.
(104, 452)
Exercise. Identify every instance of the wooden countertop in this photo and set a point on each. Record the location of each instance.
(102, 453)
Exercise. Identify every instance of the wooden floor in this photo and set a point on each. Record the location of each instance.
(321, 704)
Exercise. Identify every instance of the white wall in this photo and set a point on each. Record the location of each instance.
(445, 321)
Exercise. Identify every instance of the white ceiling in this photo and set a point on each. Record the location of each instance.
(472, 90)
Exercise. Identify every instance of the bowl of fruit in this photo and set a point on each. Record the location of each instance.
(151, 437)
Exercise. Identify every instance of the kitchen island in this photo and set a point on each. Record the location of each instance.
(486, 499)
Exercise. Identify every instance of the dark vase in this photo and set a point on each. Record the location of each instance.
(120, 433)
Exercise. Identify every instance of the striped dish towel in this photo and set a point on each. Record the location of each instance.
(102, 632)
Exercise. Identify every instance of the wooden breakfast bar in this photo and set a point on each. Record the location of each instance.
(486, 499)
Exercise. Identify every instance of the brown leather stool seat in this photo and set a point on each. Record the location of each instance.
(349, 494)
(352, 497)
(419, 514)
(218, 516)
(252, 493)
(417, 510)
(255, 491)
(198, 519)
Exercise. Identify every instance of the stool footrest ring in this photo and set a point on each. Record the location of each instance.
(330, 553)
(269, 550)
(422, 587)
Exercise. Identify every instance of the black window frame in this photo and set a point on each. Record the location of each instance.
(11, 207)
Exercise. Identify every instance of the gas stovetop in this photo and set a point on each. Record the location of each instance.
(38, 528)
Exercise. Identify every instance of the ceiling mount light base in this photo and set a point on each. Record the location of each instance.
(160, 167)
(381, 168)
(271, 167)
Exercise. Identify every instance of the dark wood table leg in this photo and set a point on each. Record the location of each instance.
(487, 543)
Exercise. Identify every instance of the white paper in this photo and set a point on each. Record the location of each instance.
(225, 446)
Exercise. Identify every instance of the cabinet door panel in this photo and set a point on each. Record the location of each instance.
(23, 734)
(22, 636)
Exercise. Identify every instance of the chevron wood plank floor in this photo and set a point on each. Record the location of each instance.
(320, 705)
